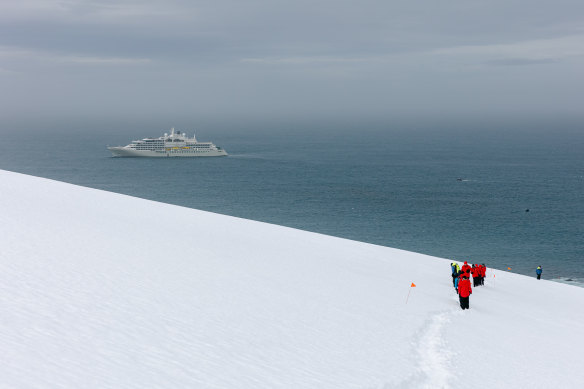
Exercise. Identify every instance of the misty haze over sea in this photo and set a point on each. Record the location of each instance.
(504, 194)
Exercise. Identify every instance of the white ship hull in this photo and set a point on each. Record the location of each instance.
(176, 144)
(127, 152)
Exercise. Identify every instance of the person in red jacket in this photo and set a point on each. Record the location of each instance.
(483, 273)
(464, 291)
(465, 269)
(475, 275)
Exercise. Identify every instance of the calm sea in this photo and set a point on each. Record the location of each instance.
(505, 197)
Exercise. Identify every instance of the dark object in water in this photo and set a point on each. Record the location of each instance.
(527, 210)
(459, 179)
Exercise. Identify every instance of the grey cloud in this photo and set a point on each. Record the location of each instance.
(368, 57)
(272, 28)
(521, 61)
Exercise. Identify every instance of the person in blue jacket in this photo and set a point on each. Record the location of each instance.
(538, 271)
(455, 270)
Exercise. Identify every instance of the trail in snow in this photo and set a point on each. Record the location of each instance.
(434, 353)
(433, 356)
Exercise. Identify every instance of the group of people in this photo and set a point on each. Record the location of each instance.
(461, 280)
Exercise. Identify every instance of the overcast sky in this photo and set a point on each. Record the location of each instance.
(291, 58)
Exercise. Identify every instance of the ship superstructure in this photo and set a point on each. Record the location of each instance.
(175, 144)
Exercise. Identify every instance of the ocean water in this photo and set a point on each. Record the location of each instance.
(507, 197)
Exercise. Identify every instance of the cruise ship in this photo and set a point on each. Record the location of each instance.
(176, 144)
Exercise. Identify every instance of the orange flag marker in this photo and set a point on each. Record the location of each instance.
(411, 286)
(508, 268)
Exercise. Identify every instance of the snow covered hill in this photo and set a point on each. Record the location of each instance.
(101, 290)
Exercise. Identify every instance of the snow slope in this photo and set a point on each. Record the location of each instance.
(101, 290)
